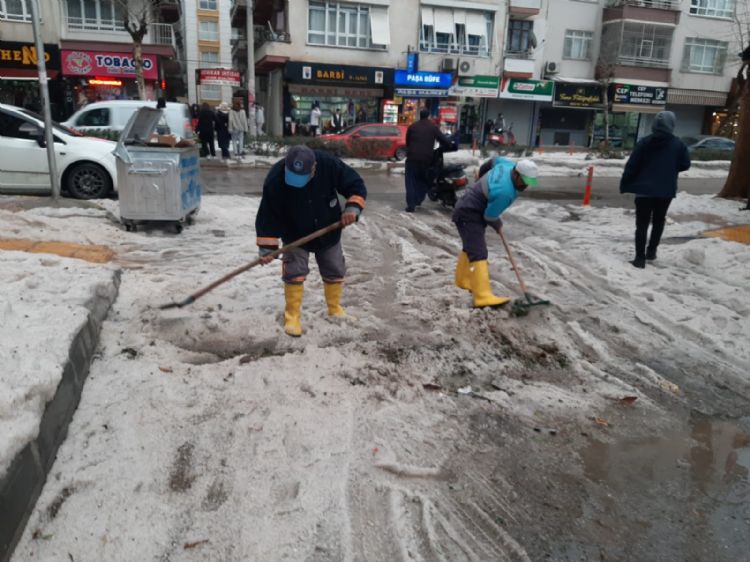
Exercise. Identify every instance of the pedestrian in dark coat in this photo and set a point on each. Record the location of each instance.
(223, 137)
(420, 148)
(206, 121)
(651, 173)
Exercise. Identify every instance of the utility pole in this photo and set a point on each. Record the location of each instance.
(44, 94)
(250, 74)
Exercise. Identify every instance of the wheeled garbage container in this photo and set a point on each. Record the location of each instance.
(157, 181)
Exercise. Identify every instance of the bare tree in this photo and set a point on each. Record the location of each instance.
(137, 15)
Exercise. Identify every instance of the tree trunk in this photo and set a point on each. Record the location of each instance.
(738, 181)
(138, 57)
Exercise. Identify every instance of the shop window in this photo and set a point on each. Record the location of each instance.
(712, 8)
(465, 32)
(347, 25)
(15, 10)
(94, 15)
(704, 55)
(519, 36)
(94, 118)
(577, 45)
(208, 30)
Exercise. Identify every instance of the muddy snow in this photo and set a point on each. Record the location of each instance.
(608, 425)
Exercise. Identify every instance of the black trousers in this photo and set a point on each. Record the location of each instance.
(653, 211)
(418, 179)
(207, 144)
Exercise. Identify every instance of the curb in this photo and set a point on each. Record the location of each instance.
(22, 484)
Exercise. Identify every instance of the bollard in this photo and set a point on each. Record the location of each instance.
(571, 147)
(587, 193)
(541, 147)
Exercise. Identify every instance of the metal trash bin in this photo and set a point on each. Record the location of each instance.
(156, 182)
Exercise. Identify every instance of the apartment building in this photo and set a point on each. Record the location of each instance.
(87, 51)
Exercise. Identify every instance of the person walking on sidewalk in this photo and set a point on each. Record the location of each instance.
(206, 120)
(500, 180)
(260, 119)
(651, 173)
(300, 196)
(237, 128)
(315, 119)
(420, 151)
(222, 129)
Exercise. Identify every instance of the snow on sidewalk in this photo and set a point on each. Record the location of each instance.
(44, 303)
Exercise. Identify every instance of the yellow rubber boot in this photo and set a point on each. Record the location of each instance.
(480, 285)
(333, 299)
(293, 296)
(463, 277)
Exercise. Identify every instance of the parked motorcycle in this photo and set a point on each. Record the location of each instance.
(447, 179)
(500, 137)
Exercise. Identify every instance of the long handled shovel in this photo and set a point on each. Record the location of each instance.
(521, 307)
(208, 288)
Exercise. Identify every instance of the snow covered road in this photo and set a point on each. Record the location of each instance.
(206, 434)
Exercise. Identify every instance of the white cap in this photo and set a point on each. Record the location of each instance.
(529, 172)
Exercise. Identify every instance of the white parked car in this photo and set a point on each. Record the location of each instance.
(112, 116)
(85, 166)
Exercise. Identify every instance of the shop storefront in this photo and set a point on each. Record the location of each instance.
(357, 92)
(104, 75)
(19, 81)
(570, 120)
(520, 103)
(473, 93)
(629, 118)
(699, 112)
(420, 89)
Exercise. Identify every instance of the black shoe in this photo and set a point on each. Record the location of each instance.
(651, 254)
(639, 263)
(409, 209)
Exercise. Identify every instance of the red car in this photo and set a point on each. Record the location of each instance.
(390, 140)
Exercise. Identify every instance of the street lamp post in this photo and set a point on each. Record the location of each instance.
(49, 137)
(251, 67)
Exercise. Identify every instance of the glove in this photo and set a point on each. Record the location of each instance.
(265, 252)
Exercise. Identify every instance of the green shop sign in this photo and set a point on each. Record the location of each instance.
(521, 89)
(476, 87)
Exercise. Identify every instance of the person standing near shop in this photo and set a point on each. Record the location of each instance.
(237, 127)
(300, 196)
(362, 115)
(260, 119)
(651, 173)
(206, 121)
(337, 122)
(420, 148)
(315, 119)
(222, 129)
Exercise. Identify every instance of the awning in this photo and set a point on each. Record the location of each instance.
(582, 81)
(381, 32)
(444, 22)
(24, 74)
(476, 24)
(428, 17)
(636, 108)
(696, 97)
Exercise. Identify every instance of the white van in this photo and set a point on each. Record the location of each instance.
(114, 115)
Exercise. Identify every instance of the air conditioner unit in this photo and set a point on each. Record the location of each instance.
(449, 64)
(552, 67)
(466, 67)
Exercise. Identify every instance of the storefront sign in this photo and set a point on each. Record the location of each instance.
(219, 77)
(441, 80)
(96, 63)
(23, 56)
(532, 90)
(421, 93)
(448, 114)
(585, 96)
(476, 87)
(332, 74)
(412, 62)
(638, 95)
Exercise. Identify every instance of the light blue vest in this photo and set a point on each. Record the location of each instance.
(497, 185)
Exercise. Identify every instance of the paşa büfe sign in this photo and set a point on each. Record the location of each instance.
(23, 55)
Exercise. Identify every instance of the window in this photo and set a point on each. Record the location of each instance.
(712, 8)
(519, 35)
(704, 55)
(466, 32)
(646, 44)
(208, 30)
(15, 10)
(343, 25)
(207, 5)
(210, 59)
(15, 127)
(577, 45)
(94, 15)
(94, 118)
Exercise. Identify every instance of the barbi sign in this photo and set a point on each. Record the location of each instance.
(440, 80)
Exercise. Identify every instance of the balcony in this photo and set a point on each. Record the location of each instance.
(658, 4)
(169, 11)
(525, 8)
(664, 12)
(161, 34)
(518, 67)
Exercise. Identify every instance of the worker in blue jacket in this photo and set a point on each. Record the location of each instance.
(500, 180)
(300, 196)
